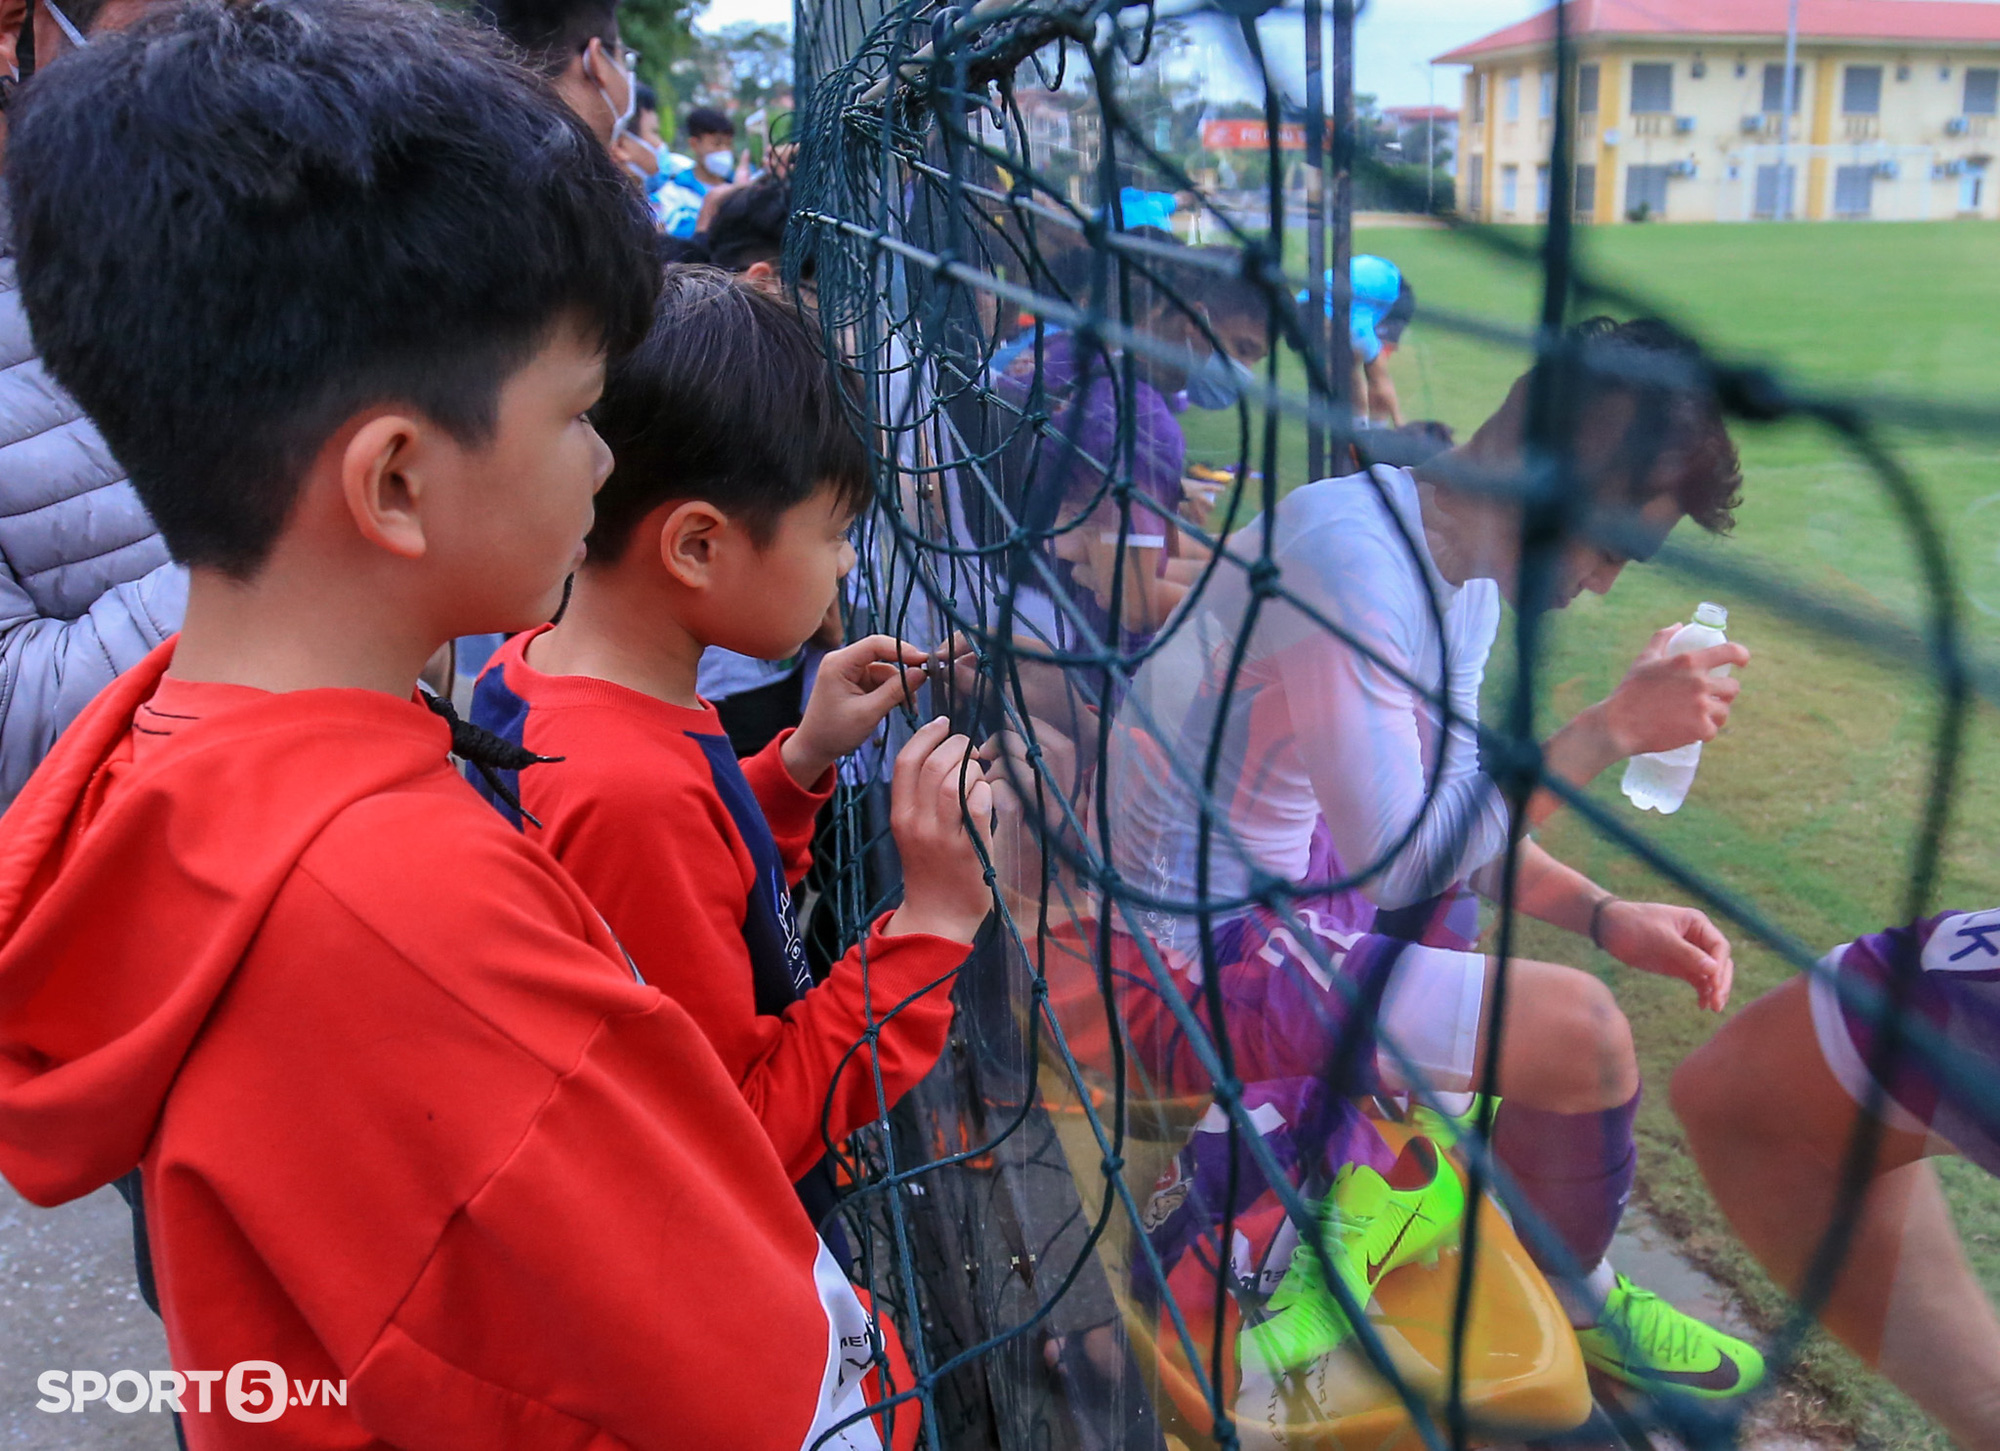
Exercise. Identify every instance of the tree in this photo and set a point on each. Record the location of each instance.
(662, 31)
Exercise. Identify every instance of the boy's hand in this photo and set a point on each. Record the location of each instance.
(857, 686)
(944, 881)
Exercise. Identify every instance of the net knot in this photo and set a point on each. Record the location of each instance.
(1752, 393)
(1515, 764)
(1264, 578)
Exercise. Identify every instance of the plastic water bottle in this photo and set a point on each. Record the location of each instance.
(1659, 780)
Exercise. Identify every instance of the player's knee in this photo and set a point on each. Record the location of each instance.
(1601, 1040)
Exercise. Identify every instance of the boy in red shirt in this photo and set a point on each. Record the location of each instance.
(338, 282)
(724, 522)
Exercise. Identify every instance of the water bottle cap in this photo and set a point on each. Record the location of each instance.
(1711, 614)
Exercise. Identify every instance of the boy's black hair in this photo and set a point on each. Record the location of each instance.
(238, 224)
(730, 400)
(551, 33)
(645, 99)
(749, 224)
(707, 121)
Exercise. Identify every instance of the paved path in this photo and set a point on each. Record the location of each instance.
(68, 1301)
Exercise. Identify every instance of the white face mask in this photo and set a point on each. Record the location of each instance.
(623, 118)
(720, 163)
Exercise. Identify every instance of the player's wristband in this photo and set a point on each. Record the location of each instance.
(1597, 919)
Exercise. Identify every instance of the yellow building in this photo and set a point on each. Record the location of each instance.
(1678, 109)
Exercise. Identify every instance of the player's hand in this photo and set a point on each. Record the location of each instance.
(1671, 941)
(1668, 701)
(937, 784)
(857, 686)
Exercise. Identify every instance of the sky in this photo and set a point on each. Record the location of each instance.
(1394, 41)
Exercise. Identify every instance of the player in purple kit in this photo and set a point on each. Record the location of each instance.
(1771, 1105)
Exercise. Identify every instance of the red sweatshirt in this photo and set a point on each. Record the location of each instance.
(404, 1116)
(691, 857)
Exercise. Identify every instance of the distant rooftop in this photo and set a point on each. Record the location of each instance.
(1924, 22)
(1412, 114)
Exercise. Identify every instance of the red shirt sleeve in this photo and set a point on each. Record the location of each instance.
(663, 861)
(789, 808)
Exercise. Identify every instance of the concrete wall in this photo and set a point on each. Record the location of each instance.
(1705, 138)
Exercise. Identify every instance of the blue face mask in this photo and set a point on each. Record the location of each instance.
(1218, 382)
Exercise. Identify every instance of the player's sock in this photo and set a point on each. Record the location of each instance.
(1583, 1301)
(1575, 1171)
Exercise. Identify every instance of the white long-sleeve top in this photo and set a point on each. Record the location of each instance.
(1314, 725)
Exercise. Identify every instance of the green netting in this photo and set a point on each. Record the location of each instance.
(979, 223)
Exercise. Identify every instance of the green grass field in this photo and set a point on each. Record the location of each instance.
(1808, 805)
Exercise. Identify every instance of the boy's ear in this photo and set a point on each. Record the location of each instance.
(690, 533)
(381, 473)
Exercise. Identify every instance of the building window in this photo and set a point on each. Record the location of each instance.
(1982, 91)
(1774, 88)
(1645, 192)
(1971, 188)
(1586, 192)
(1775, 191)
(1586, 89)
(1541, 191)
(1510, 98)
(1475, 187)
(1652, 88)
(1510, 188)
(1854, 190)
(1861, 90)
(1548, 94)
(1479, 98)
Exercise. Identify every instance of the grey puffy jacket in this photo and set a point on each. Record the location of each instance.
(86, 588)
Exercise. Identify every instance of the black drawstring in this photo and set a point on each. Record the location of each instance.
(487, 753)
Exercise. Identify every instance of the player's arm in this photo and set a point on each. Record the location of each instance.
(1656, 937)
(1355, 725)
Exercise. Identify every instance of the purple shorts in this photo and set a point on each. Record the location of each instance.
(1955, 998)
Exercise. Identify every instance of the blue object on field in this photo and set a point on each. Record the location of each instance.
(1374, 281)
(1147, 208)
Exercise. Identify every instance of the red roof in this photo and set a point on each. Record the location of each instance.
(1420, 113)
(1922, 21)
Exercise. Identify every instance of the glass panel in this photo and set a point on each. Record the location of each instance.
(1853, 190)
(1652, 88)
(1982, 91)
(1861, 90)
(1774, 88)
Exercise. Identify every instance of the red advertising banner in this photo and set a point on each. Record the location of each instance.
(1252, 136)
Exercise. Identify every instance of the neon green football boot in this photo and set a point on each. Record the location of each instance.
(1448, 1129)
(1370, 1224)
(1646, 1343)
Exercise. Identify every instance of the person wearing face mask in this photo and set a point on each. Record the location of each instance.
(575, 44)
(709, 164)
(1100, 550)
(638, 148)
